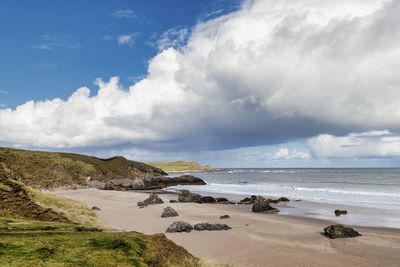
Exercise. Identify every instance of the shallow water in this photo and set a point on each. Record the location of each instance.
(372, 194)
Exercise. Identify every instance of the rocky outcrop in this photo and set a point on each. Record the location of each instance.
(173, 201)
(224, 217)
(187, 196)
(96, 184)
(340, 231)
(179, 227)
(169, 212)
(151, 200)
(123, 184)
(151, 182)
(211, 227)
(340, 212)
(262, 205)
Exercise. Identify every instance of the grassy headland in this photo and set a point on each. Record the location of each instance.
(40, 169)
(181, 166)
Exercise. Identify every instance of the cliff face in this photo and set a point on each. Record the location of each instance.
(51, 169)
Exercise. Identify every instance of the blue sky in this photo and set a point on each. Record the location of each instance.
(51, 48)
(231, 83)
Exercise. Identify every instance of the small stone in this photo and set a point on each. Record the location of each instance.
(262, 205)
(95, 208)
(224, 217)
(151, 200)
(173, 201)
(211, 227)
(340, 212)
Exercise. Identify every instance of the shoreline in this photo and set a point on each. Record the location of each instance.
(254, 240)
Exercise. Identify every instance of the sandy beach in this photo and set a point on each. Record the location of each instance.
(254, 240)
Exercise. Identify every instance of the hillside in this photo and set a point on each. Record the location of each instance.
(40, 169)
(181, 166)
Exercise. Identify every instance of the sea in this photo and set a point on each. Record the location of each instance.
(315, 192)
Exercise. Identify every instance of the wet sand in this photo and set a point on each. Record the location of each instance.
(255, 239)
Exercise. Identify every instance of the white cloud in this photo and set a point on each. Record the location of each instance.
(372, 144)
(286, 154)
(271, 72)
(3, 92)
(3, 105)
(123, 13)
(174, 37)
(126, 39)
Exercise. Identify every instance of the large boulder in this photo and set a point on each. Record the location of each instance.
(340, 231)
(222, 200)
(169, 212)
(160, 182)
(96, 184)
(211, 227)
(262, 205)
(179, 227)
(187, 196)
(151, 200)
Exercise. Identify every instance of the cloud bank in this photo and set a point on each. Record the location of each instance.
(268, 73)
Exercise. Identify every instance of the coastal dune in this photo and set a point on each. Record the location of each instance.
(254, 240)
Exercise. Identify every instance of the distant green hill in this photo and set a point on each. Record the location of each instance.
(181, 166)
(52, 169)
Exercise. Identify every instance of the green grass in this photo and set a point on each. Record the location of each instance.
(179, 166)
(91, 249)
(40, 169)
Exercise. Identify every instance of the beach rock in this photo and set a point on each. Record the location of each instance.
(222, 200)
(96, 184)
(262, 205)
(173, 201)
(224, 217)
(207, 199)
(95, 208)
(159, 182)
(169, 212)
(120, 184)
(340, 231)
(281, 199)
(179, 226)
(187, 196)
(340, 212)
(248, 200)
(211, 227)
(151, 200)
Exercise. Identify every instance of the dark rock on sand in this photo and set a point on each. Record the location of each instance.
(211, 227)
(207, 199)
(173, 201)
(262, 205)
(248, 200)
(224, 217)
(95, 208)
(151, 200)
(222, 200)
(187, 196)
(340, 212)
(179, 226)
(281, 199)
(96, 184)
(169, 212)
(340, 231)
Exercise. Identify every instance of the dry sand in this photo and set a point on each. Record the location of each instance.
(255, 240)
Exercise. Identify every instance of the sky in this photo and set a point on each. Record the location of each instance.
(230, 83)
